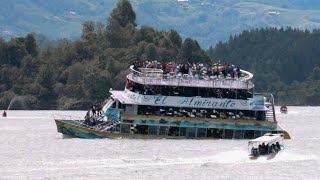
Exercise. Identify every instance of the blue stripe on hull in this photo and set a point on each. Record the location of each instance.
(75, 132)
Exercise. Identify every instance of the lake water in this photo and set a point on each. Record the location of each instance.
(31, 148)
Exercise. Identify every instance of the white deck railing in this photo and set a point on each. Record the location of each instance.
(152, 76)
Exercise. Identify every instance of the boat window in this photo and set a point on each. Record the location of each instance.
(202, 132)
(120, 105)
(188, 91)
(214, 133)
(125, 128)
(228, 133)
(141, 129)
(138, 88)
(257, 134)
(173, 131)
(261, 115)
(238, 134)
(146, 110)
(163, 130)
(183, 131)
(249, 134)
(191, 132)
(113, 104)
(153, 130)
(192, 112)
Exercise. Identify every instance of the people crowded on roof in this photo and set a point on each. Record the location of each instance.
(192, 69)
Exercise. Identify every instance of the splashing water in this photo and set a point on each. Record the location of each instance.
(11, 103)
(17, 102)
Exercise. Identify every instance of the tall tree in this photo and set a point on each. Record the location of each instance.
(46, 94)
(192, 52)
(175, 38)
(31, 45)
(15, 52)
(88, 28)
(123, 14)
(121, 25)
(145, 33)
(151, 52)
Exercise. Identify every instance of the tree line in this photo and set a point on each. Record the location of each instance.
(39, 74)
(284, 61)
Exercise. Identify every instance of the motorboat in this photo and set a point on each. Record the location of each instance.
(267, 145)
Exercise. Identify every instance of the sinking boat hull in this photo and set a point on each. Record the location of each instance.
(76, 128)
(68, 127)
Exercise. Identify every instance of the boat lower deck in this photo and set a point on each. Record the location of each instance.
(143, 131)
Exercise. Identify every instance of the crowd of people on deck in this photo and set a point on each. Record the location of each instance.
(198, 113)
(194, 69)
(267, 149)
(92, 114)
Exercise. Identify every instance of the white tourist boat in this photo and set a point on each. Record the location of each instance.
(267, 145)
(179, 104)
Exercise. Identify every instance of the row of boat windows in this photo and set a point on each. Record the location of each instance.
(201, 113)
(189, 132)
(188, 91)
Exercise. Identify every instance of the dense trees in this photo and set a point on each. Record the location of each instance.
(285, 62)
(73, 75)
(192, 52)
(121, 25)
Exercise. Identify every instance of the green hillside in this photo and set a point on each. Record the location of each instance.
(208, 21)
(73, 74)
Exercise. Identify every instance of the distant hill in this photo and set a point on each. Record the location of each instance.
(55, 19)
(208, 21)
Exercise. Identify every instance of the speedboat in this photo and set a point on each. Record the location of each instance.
(267, 145)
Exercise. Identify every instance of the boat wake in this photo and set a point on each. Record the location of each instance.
(288, 156)
(229, 158)
(284, 157)
(225, 158)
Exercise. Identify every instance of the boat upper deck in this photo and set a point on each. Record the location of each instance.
(153, 76)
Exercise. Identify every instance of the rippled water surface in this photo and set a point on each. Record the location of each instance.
(31, 148)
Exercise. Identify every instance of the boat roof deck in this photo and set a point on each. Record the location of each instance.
(122, 96)
(152, 76)
(268, 138)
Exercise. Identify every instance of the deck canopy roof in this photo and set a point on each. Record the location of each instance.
(121, 96)
(267, 138)
(129, 97)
